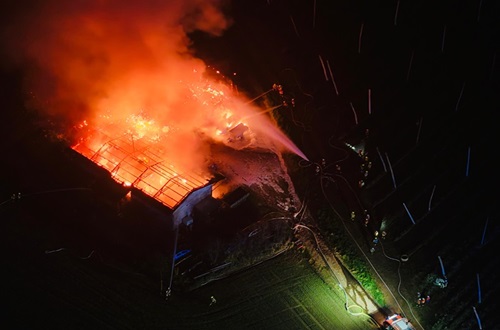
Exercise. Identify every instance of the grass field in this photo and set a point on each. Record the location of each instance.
(282, 293)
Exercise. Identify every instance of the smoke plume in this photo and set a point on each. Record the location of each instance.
(87, 56)
(125, 66)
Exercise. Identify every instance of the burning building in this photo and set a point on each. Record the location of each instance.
(147, 110)
(143, 107)
(140, 163)
(170, 161)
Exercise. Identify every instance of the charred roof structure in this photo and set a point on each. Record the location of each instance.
(140, 163)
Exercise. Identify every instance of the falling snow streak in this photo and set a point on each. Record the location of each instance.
(381, 159)
(294, 27)
(314, 14)
(419, 129)
(484, 231)
(369, 101)
(409, 66)
(360, 37)
(460, 96)
(396, 14)
(477, 317)
(442, 266)
(409, 214)
(479, 300)
(444, 38)
(354, 112)
(333, 79)
(468, 163)
(323, 66)
(430, 199)
(390, 169)
(479, 10)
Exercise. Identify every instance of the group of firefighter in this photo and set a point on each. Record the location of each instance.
(421, 300)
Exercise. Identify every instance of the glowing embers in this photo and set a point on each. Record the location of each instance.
(142, 127)
(140, 163)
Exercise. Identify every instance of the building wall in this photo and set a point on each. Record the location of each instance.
(186, 207)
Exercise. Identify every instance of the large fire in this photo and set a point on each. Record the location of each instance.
(146, 108)
(135, 149)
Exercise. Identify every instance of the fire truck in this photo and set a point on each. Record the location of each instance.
(398, 322)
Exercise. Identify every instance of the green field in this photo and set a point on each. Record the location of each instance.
(282, 293)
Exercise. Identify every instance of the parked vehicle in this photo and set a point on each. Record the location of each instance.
(398, 322)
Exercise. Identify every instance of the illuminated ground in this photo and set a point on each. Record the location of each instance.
(286, 288)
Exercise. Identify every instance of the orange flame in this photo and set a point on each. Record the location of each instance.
(124, 71)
